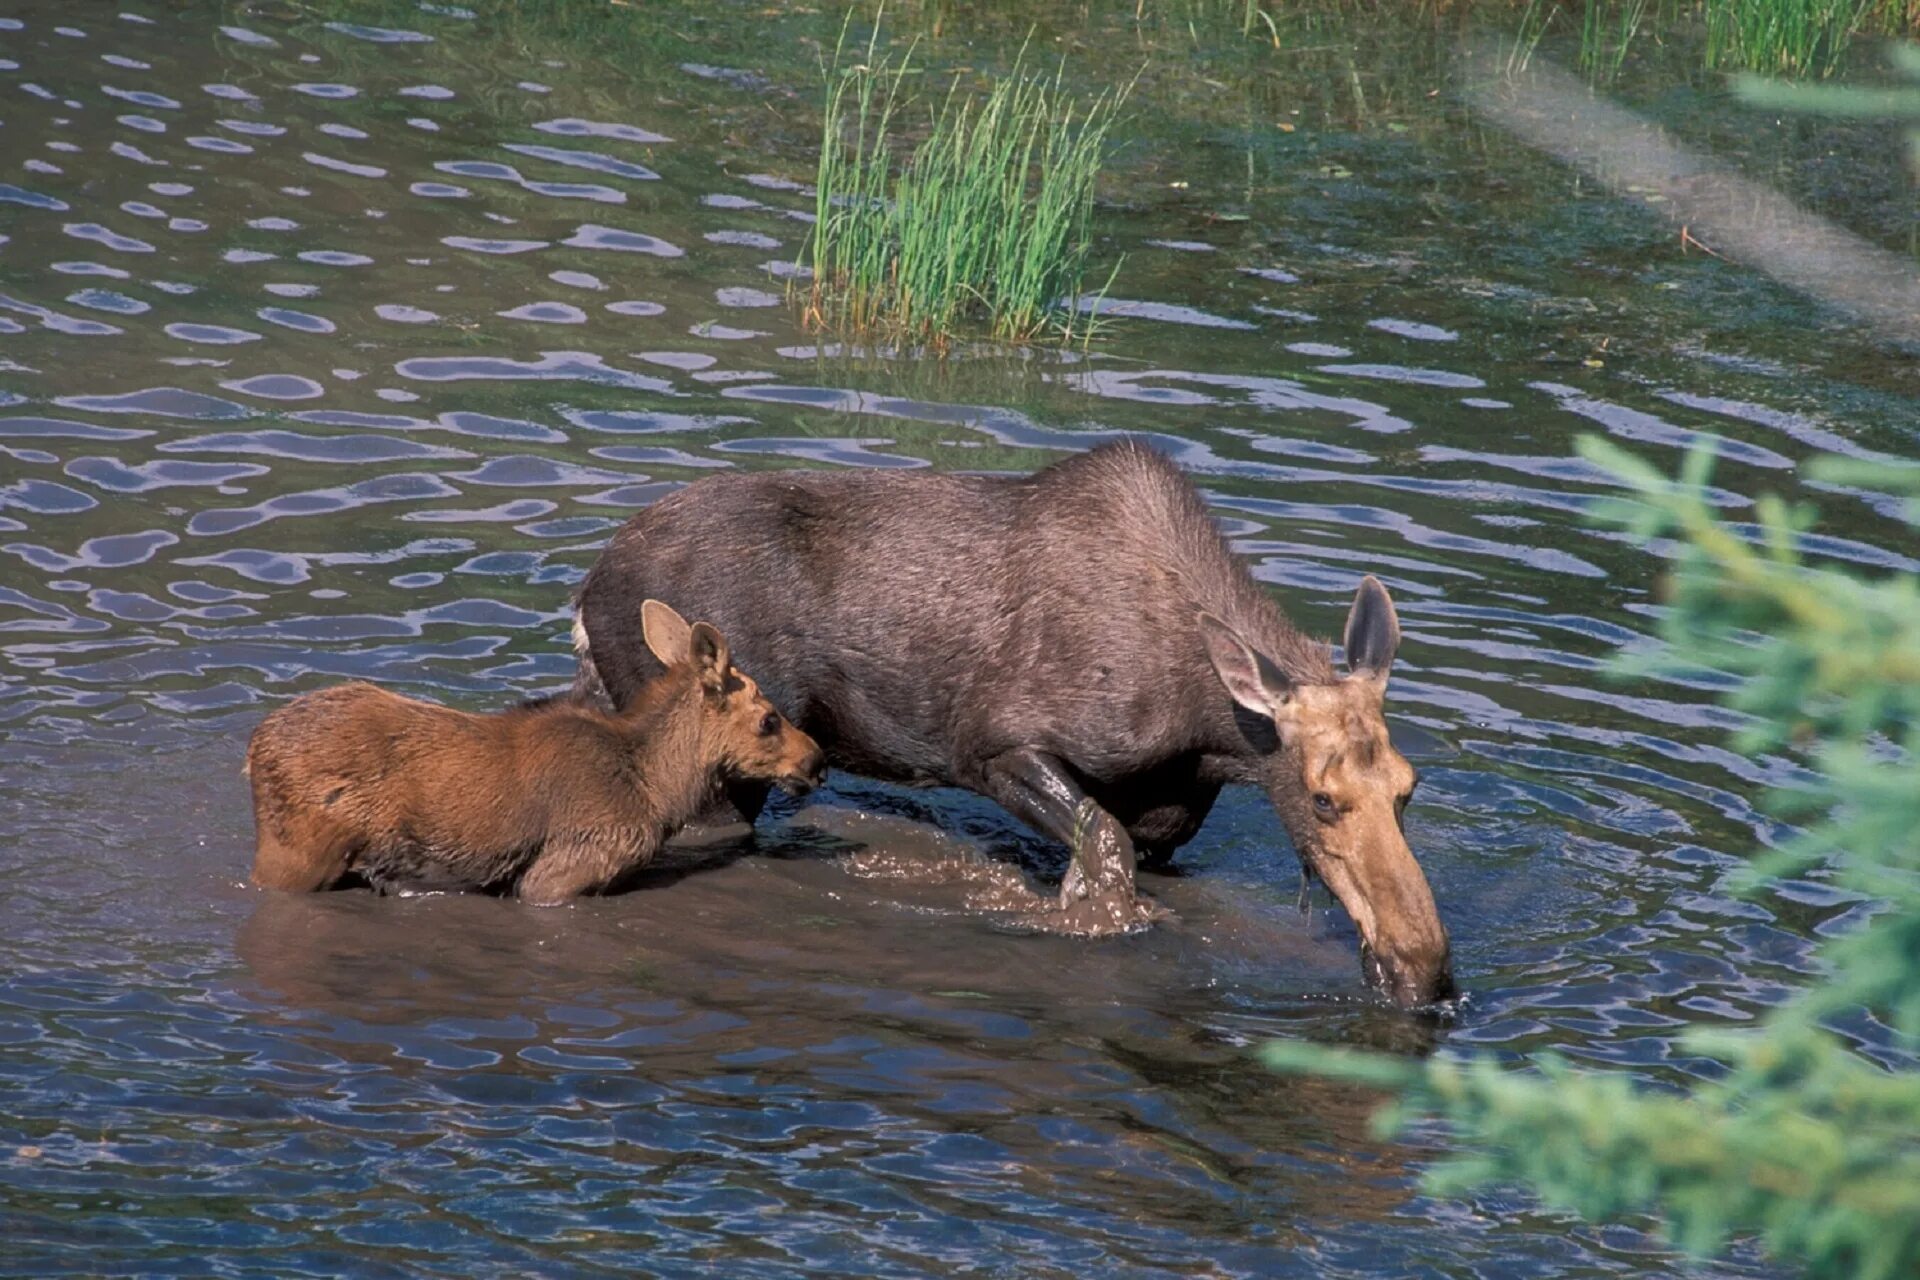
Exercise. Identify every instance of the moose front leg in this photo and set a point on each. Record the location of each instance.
(1037, 789)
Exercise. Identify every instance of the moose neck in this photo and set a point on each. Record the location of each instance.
(663, 727)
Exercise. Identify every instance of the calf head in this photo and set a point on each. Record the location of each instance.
(1341, 790)
(739, 729)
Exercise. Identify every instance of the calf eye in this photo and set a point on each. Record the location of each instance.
(770, 723)
(1323, 804)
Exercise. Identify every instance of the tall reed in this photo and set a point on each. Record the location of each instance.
(1534, 21)
(1607, 33)
(986, 220)
(1782, 37)
(1795, 37)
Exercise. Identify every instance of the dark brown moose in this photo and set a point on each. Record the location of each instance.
(1079, 633)
(547, 801)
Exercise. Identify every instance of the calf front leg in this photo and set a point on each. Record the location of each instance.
(569, 866)
(1038, 789)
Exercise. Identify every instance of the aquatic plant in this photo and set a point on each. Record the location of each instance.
(1253, 10)
(1797, 37)
(1791, 37)
(1607, 33)
(1534, 21)
(987, 217)
(1805, 1135)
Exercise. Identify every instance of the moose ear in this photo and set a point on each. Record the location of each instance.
(711, 659)
(665, 632)
(1250, 676)
(1373, 630)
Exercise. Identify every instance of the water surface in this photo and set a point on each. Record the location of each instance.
(335, 351)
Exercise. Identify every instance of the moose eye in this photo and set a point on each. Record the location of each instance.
(770, 724)
(1323, 806)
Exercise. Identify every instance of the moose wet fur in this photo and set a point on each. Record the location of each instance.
(1080, 633)
(547, 801)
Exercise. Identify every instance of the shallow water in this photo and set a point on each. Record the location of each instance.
(336, 352)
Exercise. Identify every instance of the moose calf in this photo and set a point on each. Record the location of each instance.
(547, 801)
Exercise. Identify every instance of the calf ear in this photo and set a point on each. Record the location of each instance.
(665, 632)
(1250, 676)
(711, 659)
(1373, 630)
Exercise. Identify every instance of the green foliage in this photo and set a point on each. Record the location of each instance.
(1802, 1140)
(1797, 37)
(987, 218)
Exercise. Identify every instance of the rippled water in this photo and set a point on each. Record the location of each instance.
(335, 351)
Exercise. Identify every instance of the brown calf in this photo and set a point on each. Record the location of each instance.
(546, 801)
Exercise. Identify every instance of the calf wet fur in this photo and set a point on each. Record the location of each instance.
(1082, 634)
(546, 801)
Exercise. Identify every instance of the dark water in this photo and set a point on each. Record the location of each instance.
(336, 352)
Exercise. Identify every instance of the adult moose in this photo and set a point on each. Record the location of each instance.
(1080, 633)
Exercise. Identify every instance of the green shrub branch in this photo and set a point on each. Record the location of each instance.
(1800, 1138)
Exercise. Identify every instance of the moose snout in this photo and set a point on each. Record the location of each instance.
(1411, 977)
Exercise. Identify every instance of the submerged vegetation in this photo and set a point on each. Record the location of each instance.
(986, 219)
(1807, 1132)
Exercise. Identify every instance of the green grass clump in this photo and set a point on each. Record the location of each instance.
(986, 220)
(1792, 37)
(1780, 37)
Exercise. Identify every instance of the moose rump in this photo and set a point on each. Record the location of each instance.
(1039, 640)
